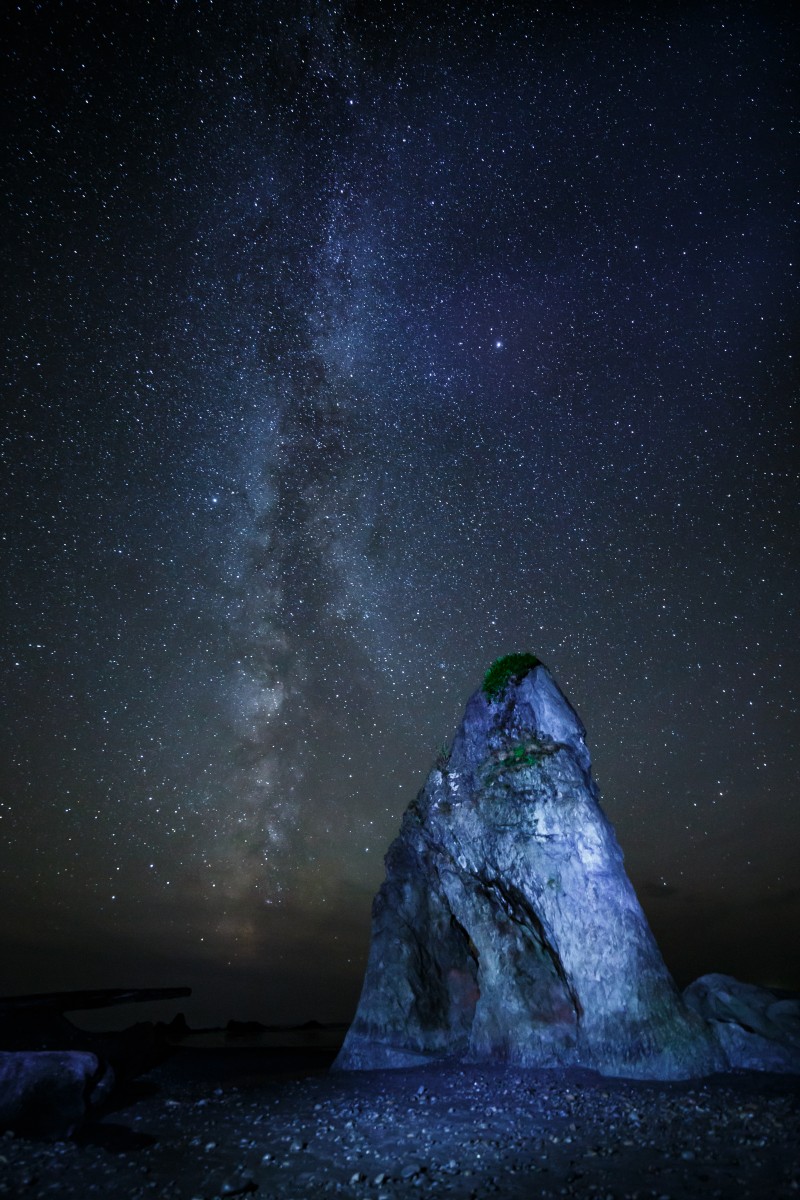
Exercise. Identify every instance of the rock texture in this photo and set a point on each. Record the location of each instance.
(758, 1029)
(48, 1092)
(507, 929)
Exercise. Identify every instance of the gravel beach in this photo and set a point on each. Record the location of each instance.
(238, 1123)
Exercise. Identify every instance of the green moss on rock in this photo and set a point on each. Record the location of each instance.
(516, 757)
(504, 670)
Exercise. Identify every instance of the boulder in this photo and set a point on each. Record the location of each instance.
(506, 929)
(758, 1029)
(37, 1022)
(47, 1092)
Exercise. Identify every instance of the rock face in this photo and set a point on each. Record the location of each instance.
(506, 929)
(48, 1091)
(758, 1029)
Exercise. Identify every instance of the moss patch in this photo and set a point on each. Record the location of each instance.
(503, 670)
(516, 757)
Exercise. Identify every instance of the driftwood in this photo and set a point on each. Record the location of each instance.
(36, 1023)
(60, 1002)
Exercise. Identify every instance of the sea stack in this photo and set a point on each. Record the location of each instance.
(506, 929)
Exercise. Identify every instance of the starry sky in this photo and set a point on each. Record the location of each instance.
(347, 347)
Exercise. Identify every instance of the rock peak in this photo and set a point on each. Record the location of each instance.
(531, 708)
(507, 929)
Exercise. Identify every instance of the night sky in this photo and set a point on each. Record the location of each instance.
(348, 346)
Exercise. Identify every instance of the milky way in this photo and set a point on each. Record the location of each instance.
(348, 350)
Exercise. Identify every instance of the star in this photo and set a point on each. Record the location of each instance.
(344, 357)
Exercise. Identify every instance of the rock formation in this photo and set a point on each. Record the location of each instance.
(506, 929)
(52, 1073)
(758, 1029)
(47, 1092)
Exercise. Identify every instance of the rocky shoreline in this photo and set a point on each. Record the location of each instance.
(506, 931)
(195, 1129)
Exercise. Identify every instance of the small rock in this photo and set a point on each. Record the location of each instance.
(356, 1177)
(410, 1170)
(240, 1186)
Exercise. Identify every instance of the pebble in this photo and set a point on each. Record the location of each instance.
(239, 1187)
(504, 1132)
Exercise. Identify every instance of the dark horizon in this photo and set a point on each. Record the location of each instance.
(346, 351)
(698, 935)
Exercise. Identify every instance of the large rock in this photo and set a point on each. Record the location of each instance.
(757, 1028)
(37, 1022)
(49, 1091)
(507, 929)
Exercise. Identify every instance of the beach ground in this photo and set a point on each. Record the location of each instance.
(281, 1126)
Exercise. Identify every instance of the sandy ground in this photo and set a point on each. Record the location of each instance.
(253, 1123)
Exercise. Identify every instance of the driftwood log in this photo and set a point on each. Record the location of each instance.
(37, 1023)
(62, 1002)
